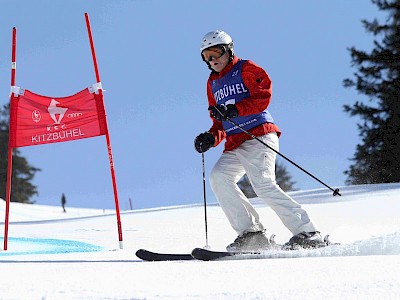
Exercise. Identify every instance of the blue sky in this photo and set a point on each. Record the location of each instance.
(155, 82)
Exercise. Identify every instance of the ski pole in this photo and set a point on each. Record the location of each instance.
(335, 191)
(205, 200)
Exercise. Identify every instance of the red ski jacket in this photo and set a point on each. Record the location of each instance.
(259, 85)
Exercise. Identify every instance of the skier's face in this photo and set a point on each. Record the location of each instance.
(217, 57)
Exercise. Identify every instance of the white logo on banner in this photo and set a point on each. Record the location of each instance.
(56, 113)
(36, 116)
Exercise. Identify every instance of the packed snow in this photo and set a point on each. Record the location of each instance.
(76, 255)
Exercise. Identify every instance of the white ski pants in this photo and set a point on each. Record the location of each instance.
(258, 162)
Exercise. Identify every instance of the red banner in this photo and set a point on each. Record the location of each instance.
(37, 120)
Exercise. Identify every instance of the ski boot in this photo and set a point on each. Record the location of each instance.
(250, 242)
(305, 240)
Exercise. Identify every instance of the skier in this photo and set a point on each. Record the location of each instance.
(241, 91)
(63, 202)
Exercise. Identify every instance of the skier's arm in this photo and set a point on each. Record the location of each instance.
(259, 85)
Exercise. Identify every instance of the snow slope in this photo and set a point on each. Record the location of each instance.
(75, 255)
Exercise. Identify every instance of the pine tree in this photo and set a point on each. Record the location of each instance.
(22, 173)
(283, 179)
(377, 158)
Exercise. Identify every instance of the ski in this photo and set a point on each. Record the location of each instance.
(153, 256)
(276, 251)
(204, 254)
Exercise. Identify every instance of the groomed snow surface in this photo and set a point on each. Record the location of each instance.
(76, 255)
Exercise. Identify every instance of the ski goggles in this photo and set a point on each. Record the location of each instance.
(213, 53)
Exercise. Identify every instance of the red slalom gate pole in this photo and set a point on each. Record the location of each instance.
(9, 167)
(114, 181)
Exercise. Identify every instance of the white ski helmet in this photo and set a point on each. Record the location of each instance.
(216, 37)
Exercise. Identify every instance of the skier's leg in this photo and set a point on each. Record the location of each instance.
(237, 208)
(259, 163)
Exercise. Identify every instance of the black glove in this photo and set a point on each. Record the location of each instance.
(204, 141)
(222, 112)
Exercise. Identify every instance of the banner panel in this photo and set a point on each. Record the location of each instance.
(37, 120)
